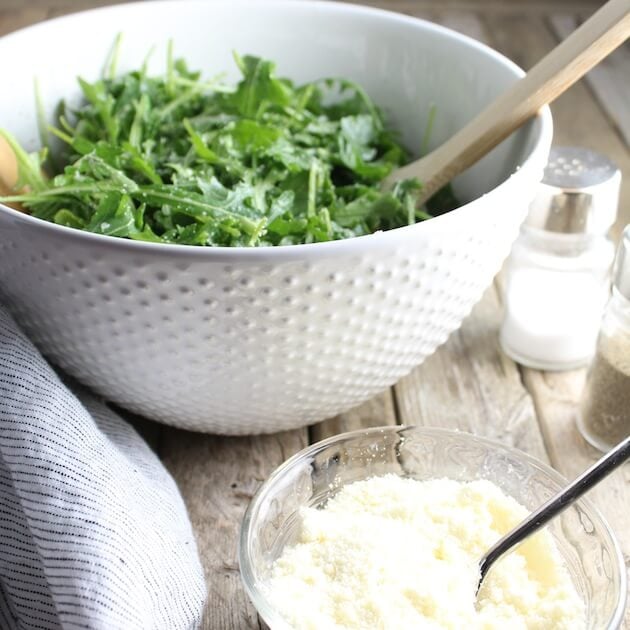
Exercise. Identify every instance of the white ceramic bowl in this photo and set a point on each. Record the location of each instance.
(258, 340)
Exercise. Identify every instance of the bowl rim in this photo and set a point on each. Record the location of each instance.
(542, 143)
(255, 589)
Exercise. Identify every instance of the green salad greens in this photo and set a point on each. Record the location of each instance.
(181, 159)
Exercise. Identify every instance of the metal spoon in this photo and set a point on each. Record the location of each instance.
(589, 478)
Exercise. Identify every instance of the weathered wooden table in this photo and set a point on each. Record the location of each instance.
(467, 384)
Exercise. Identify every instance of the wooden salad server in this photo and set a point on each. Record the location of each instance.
(607, 29)
(8, 168)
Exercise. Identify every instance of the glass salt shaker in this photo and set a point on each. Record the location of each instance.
(558, 274)
(604, 413)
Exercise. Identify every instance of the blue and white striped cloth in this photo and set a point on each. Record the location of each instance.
(93, 531)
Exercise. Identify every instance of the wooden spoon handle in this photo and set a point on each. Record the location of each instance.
(8, 168)
(607, 29)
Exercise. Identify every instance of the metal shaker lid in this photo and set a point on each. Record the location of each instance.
(621, 270)
(579, 193)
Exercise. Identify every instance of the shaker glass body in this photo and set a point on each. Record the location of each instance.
(604, 413)
(556, 287)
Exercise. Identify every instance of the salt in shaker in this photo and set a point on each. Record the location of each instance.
(558, 274)
(604, 414)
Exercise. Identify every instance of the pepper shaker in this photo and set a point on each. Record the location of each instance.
(558, 273)
(604, 413)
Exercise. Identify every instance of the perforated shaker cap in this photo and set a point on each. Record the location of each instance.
(621, 270)
(579, 193)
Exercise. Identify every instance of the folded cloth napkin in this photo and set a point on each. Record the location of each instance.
(93, 531)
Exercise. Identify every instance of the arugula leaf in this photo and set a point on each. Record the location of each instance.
(69, 219)
(259, 88)
(115, 216)
(250, 136)
(180, 159)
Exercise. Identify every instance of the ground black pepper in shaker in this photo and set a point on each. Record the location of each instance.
(604, 415)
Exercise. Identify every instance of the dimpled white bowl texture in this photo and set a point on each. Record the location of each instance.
(239, 341)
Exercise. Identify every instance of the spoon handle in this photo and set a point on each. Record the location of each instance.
(589, 478)
(8, 168)
(608, 28)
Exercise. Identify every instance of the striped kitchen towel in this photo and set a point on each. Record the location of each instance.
(93, 531)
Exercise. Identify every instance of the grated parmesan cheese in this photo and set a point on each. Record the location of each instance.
(392, 553)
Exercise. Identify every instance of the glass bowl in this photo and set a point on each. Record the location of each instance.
(317, 473)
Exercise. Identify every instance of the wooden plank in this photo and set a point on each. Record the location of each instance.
(609, 81)
(465, 22)
(12, 19)
(217, 477)
(393, 5)
(411, 7)
(378, 411)
(75, 5)
(470, 385)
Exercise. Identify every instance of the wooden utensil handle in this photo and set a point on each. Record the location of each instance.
(607, 29)
(8, 168)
